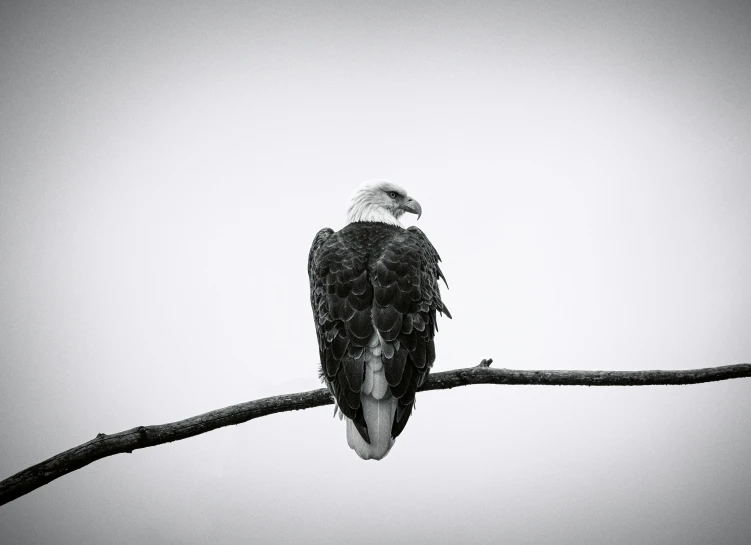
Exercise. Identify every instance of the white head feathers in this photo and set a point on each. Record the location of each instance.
(381, 201)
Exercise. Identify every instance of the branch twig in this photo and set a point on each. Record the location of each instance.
(104, 445)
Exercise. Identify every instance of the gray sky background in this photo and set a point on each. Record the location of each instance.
(584, 169)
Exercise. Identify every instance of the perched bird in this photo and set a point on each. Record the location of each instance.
(374, 293)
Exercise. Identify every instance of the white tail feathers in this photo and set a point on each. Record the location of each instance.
(379, 415)
(378, 406)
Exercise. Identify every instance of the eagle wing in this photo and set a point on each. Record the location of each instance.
(375, 277)
(341, 298)
(407, 297)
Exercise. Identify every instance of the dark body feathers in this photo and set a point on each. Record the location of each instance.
(374, 276)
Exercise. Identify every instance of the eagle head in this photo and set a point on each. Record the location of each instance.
(381, 201)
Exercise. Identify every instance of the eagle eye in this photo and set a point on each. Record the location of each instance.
(392, 194)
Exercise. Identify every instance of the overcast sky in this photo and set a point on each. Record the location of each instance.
(584, 170)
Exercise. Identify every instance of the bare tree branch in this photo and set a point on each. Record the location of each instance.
(148, 436)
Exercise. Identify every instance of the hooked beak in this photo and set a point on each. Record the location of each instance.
(412, 206)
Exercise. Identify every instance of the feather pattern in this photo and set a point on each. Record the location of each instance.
(374, 294)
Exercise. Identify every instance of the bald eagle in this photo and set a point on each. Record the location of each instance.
(374, 293)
